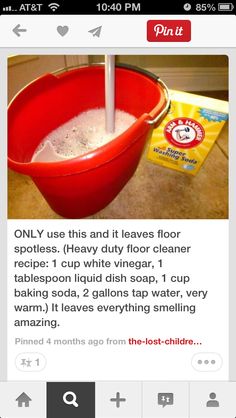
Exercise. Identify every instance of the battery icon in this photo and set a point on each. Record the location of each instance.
(225, 7)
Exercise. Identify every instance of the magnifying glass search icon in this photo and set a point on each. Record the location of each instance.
(70, 398)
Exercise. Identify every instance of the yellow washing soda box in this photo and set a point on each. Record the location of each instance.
(188, 132)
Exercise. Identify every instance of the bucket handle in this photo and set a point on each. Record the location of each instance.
(167, 105)
(159, 81)
(138, 69)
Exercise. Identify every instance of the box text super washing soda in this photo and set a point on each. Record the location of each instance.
(188, 132)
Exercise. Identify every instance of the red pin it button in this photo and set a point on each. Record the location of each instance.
(169, 30)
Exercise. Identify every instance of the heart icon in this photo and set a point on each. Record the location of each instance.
(62, 30)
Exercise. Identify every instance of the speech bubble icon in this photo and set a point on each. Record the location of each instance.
(165, 399)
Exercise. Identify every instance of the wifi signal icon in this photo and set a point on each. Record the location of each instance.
(53, 6)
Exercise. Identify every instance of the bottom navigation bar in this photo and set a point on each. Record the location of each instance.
(117, 399)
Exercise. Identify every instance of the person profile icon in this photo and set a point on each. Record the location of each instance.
(212, 403)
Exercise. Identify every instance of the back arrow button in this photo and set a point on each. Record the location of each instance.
(17, 30)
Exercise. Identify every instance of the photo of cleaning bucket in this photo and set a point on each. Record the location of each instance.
(82, 186)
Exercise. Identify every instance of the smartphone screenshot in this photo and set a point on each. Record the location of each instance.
(117, 210)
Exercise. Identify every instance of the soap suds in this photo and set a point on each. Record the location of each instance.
(80, 135)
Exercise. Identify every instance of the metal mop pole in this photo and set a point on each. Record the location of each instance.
(110, 92)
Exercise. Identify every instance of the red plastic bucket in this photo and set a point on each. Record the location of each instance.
(84, 185)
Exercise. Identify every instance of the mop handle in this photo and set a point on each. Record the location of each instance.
(110, 92)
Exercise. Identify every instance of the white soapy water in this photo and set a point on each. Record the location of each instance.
(80, 135)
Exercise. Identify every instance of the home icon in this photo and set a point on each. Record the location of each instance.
(23, 400)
